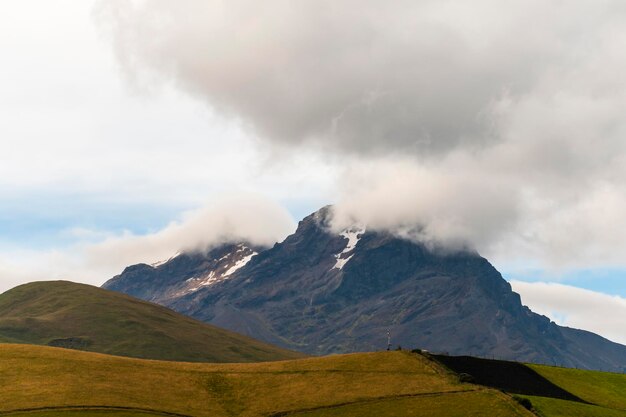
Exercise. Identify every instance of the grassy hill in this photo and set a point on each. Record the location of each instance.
(40, 381)
(47, 382)
(70, 315)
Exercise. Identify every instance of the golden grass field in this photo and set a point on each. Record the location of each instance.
(50, 382)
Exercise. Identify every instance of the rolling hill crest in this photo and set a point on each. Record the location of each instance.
(78, 316)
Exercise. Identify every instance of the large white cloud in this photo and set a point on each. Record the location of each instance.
(461, 201)
(576, 307)
(495, 124)
(439, 203)
(253, 219)
(421, 76)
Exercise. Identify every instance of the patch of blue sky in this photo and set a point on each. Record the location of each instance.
(607, 280)
(53, 221)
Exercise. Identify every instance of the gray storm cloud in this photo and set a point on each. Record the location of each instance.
(498, 123)
(361, 76)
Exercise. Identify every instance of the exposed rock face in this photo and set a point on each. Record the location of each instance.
(182, 274)
(322, 292)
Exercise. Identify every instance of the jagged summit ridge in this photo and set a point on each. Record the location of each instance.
(184, 272)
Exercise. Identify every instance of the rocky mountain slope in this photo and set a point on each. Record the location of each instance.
(321, 292)
(183, 273)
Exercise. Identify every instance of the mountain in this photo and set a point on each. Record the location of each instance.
(323, 292)
(70, 315)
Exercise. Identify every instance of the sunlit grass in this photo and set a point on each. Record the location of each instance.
(601, 388)
(387, 382)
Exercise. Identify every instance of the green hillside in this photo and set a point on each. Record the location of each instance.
(552, 407)
(604, 390)
(552, 391)
(49, 382)
(66, 314)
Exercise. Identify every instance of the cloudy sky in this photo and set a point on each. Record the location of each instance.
(133, 129)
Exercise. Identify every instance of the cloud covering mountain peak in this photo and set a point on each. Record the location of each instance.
(492, 124)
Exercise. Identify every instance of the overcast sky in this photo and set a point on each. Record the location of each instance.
(130, 130)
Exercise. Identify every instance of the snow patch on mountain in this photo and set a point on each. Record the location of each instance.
(224, 268)
(239, 264)
(353, 235)
(342, 262)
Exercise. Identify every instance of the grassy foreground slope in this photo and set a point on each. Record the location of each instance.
(54, 382)
(605, 390)
(66, 314)
(461, 404)
(552, 407)
(601, 388)
(553, 391)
